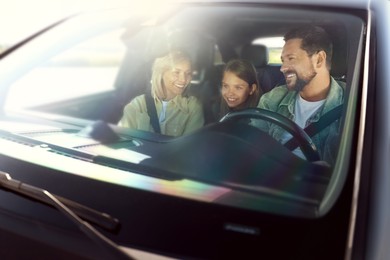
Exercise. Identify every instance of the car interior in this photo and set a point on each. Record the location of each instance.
(226, 163)
(210, 48)
(211, 42)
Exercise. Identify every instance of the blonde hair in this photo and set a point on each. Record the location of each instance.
(163, 64)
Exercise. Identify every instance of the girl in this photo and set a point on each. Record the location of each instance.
(240, 88)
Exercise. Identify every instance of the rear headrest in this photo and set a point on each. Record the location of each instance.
(257, 54)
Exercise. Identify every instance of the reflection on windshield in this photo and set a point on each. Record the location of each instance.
(191, 154)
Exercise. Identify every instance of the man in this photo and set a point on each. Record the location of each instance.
(309, 91)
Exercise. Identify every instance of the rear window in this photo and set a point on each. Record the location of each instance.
(274, 46)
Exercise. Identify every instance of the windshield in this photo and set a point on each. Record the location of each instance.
(199, 102)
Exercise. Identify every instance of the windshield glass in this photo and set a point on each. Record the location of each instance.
(197, 102)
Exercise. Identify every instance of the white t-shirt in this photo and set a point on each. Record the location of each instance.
(303, 111)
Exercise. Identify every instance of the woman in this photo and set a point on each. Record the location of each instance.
(176, 114)
(240, 88)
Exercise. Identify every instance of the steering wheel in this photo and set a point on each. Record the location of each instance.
(304, 141)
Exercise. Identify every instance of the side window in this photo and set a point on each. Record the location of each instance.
(86, 69)
(274, 46)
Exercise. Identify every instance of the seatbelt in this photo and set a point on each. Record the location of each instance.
(316, 127)
(152, 112)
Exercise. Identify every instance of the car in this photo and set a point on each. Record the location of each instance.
(74, 184)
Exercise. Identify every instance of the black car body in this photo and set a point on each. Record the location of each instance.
(226, 191)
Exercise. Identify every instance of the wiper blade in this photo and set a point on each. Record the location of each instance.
(57, 202)
(98, 218)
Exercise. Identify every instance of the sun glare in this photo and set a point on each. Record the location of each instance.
(20, 18)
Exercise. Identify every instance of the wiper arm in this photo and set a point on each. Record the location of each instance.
(57, 202)
(99, 218)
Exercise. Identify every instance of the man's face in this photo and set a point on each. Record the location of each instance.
(297, 66)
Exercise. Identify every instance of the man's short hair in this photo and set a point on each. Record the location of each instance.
(314, 39)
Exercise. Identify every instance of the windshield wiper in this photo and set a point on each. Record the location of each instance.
(100, 219)
(64, 206)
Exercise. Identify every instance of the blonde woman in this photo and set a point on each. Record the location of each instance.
(174, 114)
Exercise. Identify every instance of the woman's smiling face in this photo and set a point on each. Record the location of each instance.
(175, 80)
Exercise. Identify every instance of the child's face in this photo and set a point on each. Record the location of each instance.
(235, 91)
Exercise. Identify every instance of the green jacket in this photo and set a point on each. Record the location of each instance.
(281, 100)
(183, 115)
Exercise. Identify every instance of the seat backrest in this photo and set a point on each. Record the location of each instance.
(271, 77)
(268, 76)
(209, 93)
(257, 54)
